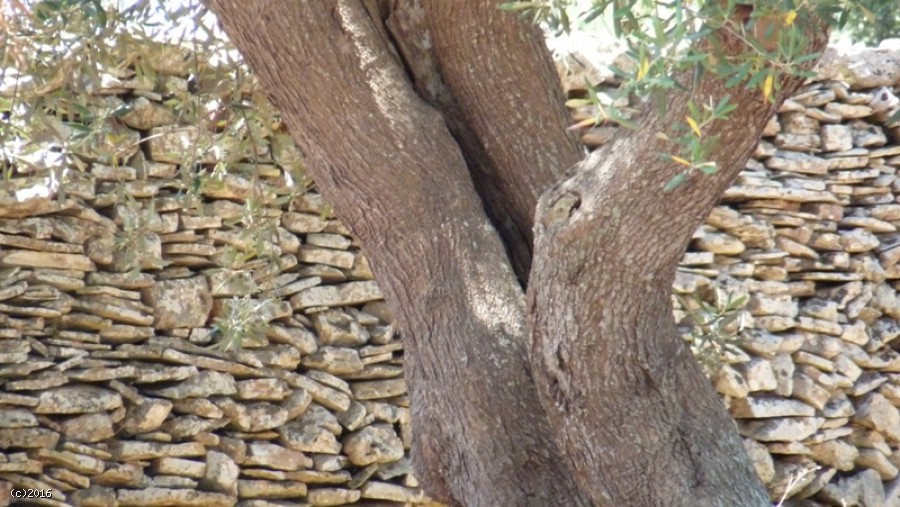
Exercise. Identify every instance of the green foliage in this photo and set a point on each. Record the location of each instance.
(245, 320)
(674, 43)
(552, 13)
(716, 327)
(695, 147)
(880, 20)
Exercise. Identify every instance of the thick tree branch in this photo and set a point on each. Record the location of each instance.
(607, 360)
(489, 73)
(398, 180)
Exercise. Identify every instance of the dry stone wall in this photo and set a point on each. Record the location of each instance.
(112, 393)
(112, 389)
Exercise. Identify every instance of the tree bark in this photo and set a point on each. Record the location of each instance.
(469, 63)
(399, 181)
(434, 127)
(636, 419)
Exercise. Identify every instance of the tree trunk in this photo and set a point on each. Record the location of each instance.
(434, 127)
(633, 414)
(399, 181)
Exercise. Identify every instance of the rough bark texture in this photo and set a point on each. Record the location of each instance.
(399, 181)
(636, 420)
(489, 75)
(423, 122)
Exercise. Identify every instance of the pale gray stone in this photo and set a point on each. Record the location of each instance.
(781, 430)
(17, 418)
(758, 407)
(759, 375)
(794, 474)
(864, 489)
(783, 368)
(836, 138)
(876, 460)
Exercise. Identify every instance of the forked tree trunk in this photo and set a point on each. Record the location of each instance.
(435, 127)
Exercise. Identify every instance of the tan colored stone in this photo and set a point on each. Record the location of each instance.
(167, 497)
(835, 453)
(391, 492)
(876, 412)
(325, 497)
(276, 457)
(377, 443)
(221, 474)
(351, 293)
(270, 489)
(146, 417)
(130, 450)
(30, 438)
(202, 385)
(308, 438)
(262, 389)
(89, 428)
(180, 467)
(77, 399)
(730, 382)
(179, 303)
(145, 115)
(335, 360)
(32, 259)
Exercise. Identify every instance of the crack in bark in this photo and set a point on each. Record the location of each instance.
(509, 175)
(557, 367)
(409, 36)
(561, 210)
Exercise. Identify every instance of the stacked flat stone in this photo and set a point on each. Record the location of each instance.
(110, 391)
(809, 232)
